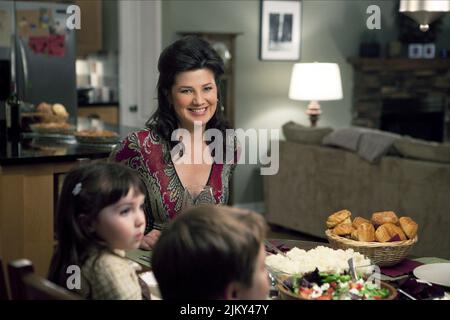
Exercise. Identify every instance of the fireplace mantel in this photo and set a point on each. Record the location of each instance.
(399, 64)
(416, 90)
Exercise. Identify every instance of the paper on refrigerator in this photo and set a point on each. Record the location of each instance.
(5, 28)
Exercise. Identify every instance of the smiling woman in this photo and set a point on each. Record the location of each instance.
(194, 97)
(188, 88)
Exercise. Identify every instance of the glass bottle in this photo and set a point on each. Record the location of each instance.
(13, 117)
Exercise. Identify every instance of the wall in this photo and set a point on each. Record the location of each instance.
(331, 32)
(110, 25)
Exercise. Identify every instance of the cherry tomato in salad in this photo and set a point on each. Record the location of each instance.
(357, 286)
(304, 292)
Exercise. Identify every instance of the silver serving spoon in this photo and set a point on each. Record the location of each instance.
(275, 279)
(352, 269)
(408, 295)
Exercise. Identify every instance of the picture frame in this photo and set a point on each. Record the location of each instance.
(415, 51)
(429, 51)
(280, 30)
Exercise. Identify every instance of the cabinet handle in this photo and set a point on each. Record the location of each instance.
(133, 108)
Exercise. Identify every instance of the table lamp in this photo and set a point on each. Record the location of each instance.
(314, 82)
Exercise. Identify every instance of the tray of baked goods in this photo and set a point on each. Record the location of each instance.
(97, 137)
(53, 128)
(50, 120)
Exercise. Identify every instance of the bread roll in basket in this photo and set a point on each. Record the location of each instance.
(385, 238)
(383, 254)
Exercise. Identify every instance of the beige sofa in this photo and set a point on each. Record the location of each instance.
(315, 180)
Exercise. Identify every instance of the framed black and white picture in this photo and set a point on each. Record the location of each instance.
(280, 29)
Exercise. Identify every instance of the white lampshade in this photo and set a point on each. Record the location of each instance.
(315, 81)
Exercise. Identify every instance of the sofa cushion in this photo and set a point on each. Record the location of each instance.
(424, 150)
(309, 135)
(370, 144)
(347, 138)
(375, 144)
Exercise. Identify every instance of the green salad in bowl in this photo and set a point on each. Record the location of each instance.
(330, 286)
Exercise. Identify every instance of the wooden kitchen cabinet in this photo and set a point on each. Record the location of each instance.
(27, 206)
(89, 37)
(108, 114)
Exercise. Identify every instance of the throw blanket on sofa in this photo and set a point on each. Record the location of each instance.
(369, 144)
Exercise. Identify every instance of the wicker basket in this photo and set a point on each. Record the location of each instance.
(383, 254)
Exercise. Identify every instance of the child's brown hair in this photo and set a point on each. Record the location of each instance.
(205, 249)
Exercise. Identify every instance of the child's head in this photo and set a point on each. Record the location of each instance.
(212, 252)
(101, 205)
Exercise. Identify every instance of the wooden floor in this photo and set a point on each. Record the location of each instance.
(277, 232)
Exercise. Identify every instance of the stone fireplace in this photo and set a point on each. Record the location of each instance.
(405, 96)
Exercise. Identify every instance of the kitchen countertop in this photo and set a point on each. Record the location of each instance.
(34, 149)
(99, 104)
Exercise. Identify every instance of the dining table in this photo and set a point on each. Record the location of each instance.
(395, 275)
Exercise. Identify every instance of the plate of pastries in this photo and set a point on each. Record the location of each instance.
(96, 136)
(52, 119)
(384, 237)
(53, 128)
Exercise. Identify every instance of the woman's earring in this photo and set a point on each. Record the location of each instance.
(182, 150)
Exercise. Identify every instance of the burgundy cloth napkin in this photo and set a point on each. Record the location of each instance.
(280, 245)
(404, 267)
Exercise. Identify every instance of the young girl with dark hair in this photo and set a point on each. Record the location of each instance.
(188, 98)
(100, 216)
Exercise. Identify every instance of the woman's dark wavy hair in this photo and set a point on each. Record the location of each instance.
(187, 54)
(87, 189)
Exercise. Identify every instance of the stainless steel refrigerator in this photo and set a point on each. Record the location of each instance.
(40, 51)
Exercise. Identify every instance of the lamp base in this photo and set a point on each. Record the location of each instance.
(314, 112)
(314, 118)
